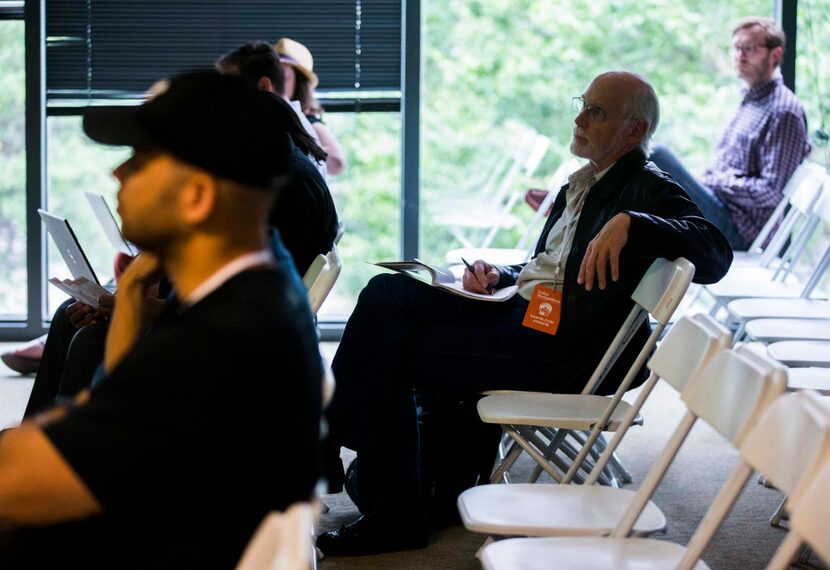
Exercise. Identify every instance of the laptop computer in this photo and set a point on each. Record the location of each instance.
(106, 218)
(67, 244)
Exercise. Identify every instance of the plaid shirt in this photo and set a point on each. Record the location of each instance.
(761, 147)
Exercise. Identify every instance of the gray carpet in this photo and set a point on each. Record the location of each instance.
(745, 542)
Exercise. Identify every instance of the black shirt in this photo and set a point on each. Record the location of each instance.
(304, 212)
(210, 422)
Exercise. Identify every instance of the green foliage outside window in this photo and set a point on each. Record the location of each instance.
(486, 64)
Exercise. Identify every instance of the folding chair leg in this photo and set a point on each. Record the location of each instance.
(779, 515)
(551, 452)
(532, 443)
(504, 443)
(556, 440)
(500, 472)
(618, 470)
(614, 470)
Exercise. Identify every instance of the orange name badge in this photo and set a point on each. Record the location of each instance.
(544, 310)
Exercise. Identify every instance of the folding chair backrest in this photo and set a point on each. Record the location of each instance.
(314, 270)
(790, 440)
(808, 180)
(788, 444)
(558, 179)
(804, 171)
(733, 389)
(810, 518)
(282, 541)
(730, 392)
(690, 343)
(322, 285)
(659, 293)
(523, 157)
(807, 185)
(662, 287)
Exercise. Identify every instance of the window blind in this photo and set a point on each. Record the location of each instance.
(116, 48)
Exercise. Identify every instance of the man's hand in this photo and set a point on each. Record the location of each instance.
(144, 271)
(133, 310)
(106, 304)
(80, 314)
(604, 250)
(482, 279)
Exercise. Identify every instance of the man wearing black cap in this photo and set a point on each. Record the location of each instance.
(174, 458)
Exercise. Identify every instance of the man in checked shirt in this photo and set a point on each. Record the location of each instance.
(761, 146)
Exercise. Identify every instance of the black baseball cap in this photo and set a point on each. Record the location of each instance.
(216, 122)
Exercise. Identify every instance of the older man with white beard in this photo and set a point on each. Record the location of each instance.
(616, 215)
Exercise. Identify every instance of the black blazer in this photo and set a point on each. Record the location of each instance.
(664, 223)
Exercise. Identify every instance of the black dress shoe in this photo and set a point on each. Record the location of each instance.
(374, 534)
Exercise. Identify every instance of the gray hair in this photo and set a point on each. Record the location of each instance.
(643, 106)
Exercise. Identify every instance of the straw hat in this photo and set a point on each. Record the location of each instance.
(298, 56)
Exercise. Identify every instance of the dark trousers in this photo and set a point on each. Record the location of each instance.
(709, 203)
(403, 336)
(69, 361)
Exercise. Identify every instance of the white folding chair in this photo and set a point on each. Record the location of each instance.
(746, 310)
(801, 353)
(731, 394)
(283, 541)
(321, 276)
(809, 521)
(521, 413)
(525, 247)
(491, 209)
(765, 280)
(809, 378)
(808, 174)
(555, 510)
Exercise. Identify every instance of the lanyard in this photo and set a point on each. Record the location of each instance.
(569, 230)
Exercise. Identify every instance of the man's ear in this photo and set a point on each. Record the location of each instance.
(637, 131)
(197, 200)
(265, 84)
(777, 54)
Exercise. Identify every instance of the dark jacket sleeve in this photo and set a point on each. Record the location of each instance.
(676, 228)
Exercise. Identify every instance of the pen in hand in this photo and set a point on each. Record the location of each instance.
(490, 288)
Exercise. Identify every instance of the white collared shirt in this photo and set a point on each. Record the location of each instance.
(224, 273)
(548, 267)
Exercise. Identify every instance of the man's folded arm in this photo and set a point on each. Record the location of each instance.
(37, 485)
(687, 235)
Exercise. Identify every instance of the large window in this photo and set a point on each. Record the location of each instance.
(494, 72)
(12, 173)
(367, 196)
(91, 56)
(813, 89)
(77, 165)
(813, 73)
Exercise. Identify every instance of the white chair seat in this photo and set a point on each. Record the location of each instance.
(566, 411)
(801, 353)
(496, 255)
(552, 510)
(583, 553)
(747, 309)
(742, 289)
(775, 330)
(817, 379)
(738, 275)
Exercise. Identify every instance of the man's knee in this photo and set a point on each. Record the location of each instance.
(385, 286)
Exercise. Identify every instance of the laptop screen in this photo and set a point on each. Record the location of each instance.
(67, 243)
